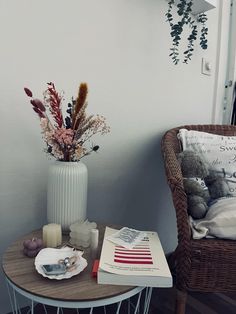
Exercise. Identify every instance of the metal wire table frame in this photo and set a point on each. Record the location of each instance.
(133, 306)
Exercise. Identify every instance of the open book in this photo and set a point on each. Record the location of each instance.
(144, 265)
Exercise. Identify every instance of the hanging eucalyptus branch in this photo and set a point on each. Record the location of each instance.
(184, 11)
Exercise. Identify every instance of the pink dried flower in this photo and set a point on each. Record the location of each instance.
(64, 136)
(47, 131)
(45, 125)
(53, 99)
(38, 104)
(39, 112)
(28, 92)
(79, 152)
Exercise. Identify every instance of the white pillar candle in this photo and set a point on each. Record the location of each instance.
(45, 235)
(52, 235)
(94, 234)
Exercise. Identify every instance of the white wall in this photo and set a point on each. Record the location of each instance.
(120, 48)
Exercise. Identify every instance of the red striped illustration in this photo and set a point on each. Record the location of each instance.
(133, 257)
(127, 253)
(137, 255)
(136, 246)
(132, 262)
(141, 251)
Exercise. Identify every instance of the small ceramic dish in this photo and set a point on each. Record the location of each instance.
(52, 256)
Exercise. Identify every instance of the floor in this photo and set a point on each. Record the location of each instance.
(163, 300)
(198, 303)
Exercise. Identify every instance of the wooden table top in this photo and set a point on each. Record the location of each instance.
(20, 270)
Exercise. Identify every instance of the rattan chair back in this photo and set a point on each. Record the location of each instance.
(206, 264)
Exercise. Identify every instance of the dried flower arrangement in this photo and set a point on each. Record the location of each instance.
(66, 139)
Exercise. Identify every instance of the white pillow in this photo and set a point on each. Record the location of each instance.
(220, 221)
(217, 151)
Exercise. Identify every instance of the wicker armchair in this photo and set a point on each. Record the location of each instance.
(206, 265)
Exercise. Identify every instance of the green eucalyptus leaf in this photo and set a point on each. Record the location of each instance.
(187, 21)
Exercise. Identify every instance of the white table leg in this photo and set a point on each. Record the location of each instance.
(118, 307)
(147, 300)
(45, 310)
(128, 305)
(10, 297)
(32, 306)
(138, 302)
(14, 301)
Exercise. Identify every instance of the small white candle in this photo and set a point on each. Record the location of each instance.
(45, 228)
(94, 234)
(52, 235)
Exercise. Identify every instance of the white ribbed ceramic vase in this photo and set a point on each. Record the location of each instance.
(67, 193)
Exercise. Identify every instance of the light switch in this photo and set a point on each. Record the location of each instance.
(206, 67)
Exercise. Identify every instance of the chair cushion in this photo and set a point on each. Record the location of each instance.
(217, 151)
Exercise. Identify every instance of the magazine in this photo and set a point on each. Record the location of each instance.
(144, 265)
(127, 237)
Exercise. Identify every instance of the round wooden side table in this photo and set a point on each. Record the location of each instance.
(78, 292)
